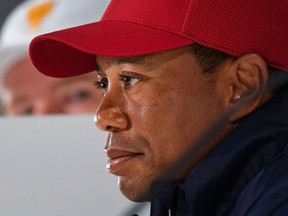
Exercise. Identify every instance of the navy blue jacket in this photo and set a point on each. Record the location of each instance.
(246, 175)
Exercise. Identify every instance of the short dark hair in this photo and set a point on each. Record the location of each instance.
(210, 60)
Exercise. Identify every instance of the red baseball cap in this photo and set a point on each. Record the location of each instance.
(138, 27)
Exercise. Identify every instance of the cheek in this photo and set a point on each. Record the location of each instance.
(165, 110)
(173, 118)
(160, 119)
(159, 109)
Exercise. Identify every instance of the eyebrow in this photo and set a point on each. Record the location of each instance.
(99, 70)
(144, 61)
(140, 60)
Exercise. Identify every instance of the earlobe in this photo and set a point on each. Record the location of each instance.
(248, 86)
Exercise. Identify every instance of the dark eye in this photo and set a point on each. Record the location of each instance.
(26, 111)
(102, 83)
(80, 95)
(129, 81)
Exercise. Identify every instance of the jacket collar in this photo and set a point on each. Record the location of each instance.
(218, 180)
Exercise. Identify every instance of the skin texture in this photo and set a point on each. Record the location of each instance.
(28, 92)
(155, 107)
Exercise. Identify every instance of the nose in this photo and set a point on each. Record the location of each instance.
(110, 118)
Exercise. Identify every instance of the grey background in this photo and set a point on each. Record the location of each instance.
(55, 166)
(6, 7)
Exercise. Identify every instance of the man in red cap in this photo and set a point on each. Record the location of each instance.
(195, 100)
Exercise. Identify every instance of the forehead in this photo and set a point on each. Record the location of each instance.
(150, 61)
(145, 61)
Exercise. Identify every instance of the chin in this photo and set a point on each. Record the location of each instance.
(135, 192)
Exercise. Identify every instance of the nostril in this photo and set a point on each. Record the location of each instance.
(112, 129)
(109, 127)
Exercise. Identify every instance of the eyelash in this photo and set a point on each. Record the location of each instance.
(100, 84)
(129, 81)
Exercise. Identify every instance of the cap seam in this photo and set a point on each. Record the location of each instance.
(185, 18)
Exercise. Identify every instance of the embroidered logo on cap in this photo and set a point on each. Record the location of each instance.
(37, 13)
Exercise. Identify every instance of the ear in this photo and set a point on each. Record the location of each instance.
(247, 86)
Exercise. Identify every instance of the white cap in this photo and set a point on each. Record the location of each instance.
(34, 17)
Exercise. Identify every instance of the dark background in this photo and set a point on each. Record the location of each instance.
(5, 8)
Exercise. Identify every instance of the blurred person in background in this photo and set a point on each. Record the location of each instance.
(23, 90)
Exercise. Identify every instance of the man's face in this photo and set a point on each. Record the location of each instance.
(28, 92)
(154, 107)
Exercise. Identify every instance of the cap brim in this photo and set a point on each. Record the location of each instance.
(72, 51)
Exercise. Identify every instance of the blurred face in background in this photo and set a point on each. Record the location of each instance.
(28, 92)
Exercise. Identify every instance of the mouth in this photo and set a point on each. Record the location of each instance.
(120, 160)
